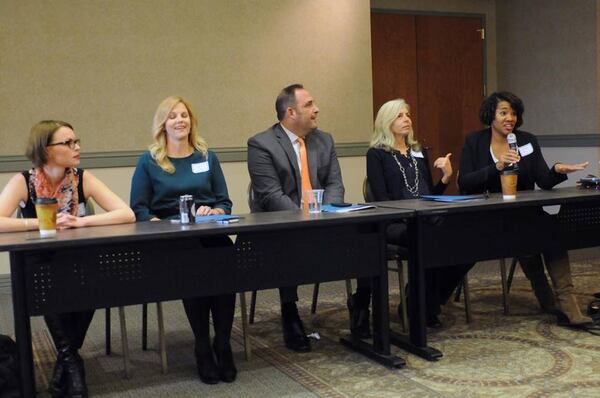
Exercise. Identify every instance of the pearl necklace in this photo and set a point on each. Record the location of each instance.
(413, 190)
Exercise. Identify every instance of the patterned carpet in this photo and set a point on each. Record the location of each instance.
(523, 354)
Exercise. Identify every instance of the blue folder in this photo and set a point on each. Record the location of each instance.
(217, 217)
(345, 209)
(452, 198)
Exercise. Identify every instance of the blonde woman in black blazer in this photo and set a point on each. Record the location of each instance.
(398, 169)
(484, 156)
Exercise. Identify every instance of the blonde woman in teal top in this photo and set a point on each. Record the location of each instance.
(155, 192)
(179, 163)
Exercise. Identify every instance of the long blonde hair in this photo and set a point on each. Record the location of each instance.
(382, 135)
(158, 149)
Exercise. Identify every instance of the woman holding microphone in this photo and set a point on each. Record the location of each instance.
(485, 155)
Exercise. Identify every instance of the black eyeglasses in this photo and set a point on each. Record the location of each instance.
(70, 143)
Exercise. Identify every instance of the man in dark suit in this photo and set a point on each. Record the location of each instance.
(275, 159)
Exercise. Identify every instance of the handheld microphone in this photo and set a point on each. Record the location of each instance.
(512, 145)
(512, 142)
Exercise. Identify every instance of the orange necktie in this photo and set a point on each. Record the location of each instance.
(304, 173)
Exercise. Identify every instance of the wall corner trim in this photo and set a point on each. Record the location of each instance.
(95, 160)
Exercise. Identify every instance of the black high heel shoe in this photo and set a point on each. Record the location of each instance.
(592, 327)
(225, 363)
(593, 309)
(359, 318)
(207, 368)
(431, 320)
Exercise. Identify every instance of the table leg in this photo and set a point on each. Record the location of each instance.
(417, 343)
(22, 324)
(379, 351)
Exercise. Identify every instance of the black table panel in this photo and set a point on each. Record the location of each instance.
(444, 234)
(118, 265)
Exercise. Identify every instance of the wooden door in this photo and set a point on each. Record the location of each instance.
(438, 68)
(394, 59)
(450, 81)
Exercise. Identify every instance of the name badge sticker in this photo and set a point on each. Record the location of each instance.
(526, 149)
(416, 154)
(201, 167)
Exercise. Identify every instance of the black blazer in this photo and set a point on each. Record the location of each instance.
(478, 171)
(385, 178)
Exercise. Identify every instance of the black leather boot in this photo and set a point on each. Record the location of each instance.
(56, 384)
(69, 376)
(75, 375)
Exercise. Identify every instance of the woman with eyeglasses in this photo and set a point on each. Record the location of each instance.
(54, 149)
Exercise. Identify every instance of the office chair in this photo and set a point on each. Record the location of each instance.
(90, 210)
(161, 331)
(394, 253)
(315, 296)
(504, 280)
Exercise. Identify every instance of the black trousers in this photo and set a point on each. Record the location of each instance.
(439, 282)
(69, 328)
(221, 307)
(288, 294)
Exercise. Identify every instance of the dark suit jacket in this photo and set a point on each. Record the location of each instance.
(386, 181)
(275, 175)
(478, 171)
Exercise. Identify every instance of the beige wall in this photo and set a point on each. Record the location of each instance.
(105, 66)
(547, 55)
(485, 7)
(47, 71)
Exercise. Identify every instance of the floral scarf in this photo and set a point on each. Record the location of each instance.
(66, 192)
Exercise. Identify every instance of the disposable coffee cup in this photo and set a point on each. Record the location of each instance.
(46, 209)
(312, 200)
(508, 179)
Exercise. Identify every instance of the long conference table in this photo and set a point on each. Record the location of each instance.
(109, 266)
(101, 267)
(443, 234)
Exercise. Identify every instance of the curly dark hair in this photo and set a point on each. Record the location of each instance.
(487, 112)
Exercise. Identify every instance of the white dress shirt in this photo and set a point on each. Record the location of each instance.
(295, 143)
